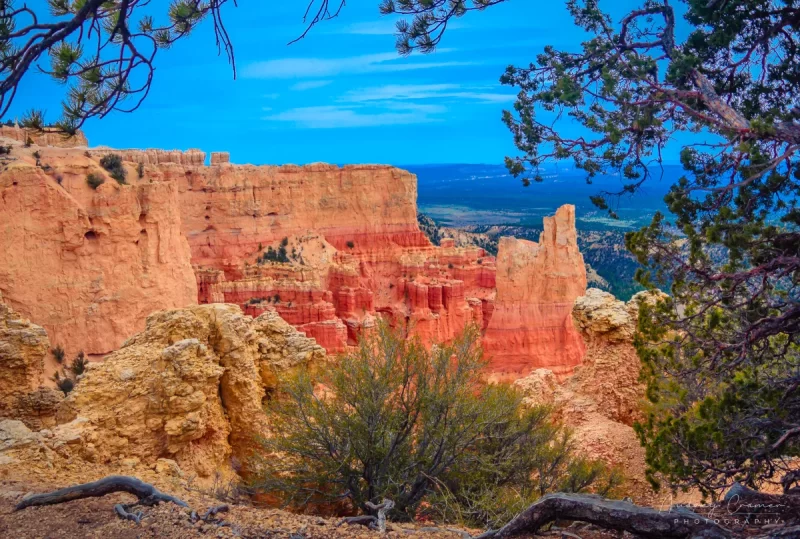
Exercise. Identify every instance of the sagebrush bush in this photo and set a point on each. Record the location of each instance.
(112, 162)
(94, 181)
(400, 421)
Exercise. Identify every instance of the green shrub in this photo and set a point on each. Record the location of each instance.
(79, 364)
(415, 425)
(350, 244)
(67, 377)
(140, 170)
(58, 354)
(28, 142)
(5, 150)
(273, 255)
(112, 162)
(36, 155)
(66, 385)
(94, 181)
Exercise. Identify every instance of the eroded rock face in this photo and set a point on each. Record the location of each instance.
(48, 137)
(603, 398)
(188, 388)
(89, 265)
(537, 283)
(23, 347)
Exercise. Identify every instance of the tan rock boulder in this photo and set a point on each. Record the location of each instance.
(38, 408)
(23, 347)
(189, 388)
(603, 398)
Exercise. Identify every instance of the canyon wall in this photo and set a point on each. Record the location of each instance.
(88, 265)
(537, 284)
(327, 248)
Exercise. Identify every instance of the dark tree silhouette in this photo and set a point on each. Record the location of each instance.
(102, 50)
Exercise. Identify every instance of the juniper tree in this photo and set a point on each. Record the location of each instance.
(721, 357)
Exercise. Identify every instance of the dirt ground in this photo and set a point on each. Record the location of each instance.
(94, 518)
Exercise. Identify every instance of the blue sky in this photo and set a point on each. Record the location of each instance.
(341, 95)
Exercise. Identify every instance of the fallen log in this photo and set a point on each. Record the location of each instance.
(146, 493)
(618, 515)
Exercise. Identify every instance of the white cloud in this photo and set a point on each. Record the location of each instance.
(390, 104)
(309, 85)
(289, 68)
(372, 28)
(426, 91)
(330, 117)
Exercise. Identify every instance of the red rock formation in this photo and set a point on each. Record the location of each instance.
(537, 284)
(344, 242)
(227, 210)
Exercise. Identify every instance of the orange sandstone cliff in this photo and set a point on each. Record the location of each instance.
(88, 265)
(328, 249)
